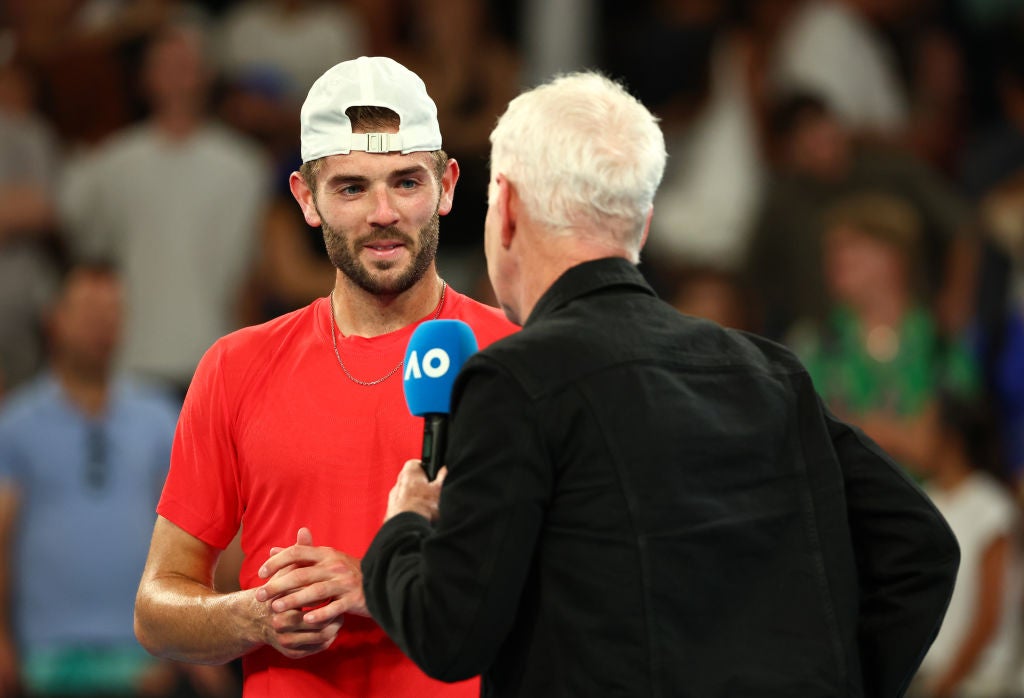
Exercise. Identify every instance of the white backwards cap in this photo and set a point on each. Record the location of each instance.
(367, 82)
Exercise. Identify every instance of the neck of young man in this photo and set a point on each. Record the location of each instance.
(361, 313)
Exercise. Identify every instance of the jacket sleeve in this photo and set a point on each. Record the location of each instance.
(907, 559)
(447, 595)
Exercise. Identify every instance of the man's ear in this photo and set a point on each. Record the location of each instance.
(304, 196)
(509, 210)
(448, 180)
(647, 227)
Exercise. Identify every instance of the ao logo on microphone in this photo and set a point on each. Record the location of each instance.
(435, 364)
(434, 356)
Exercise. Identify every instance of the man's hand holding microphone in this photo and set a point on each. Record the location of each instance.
(436, 352)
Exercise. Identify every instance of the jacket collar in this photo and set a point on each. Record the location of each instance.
(587, 278)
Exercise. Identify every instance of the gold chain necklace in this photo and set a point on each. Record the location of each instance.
(334, 341)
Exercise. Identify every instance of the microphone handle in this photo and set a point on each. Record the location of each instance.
(435, 438)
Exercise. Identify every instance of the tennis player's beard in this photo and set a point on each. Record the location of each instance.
(344, 255)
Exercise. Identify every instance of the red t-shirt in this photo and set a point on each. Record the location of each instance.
(273, 436)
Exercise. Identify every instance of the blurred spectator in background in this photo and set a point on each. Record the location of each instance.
(997, 151)
(83, 455)
(706, 205)
(890, 70)
(832, 48)
(472, 73)
(816, 163)
(1001, 327)
(977, 651)
(82, 55)
(939, 109)
(176, 201)
(270, 52)
(289, 42)
(878, 359)
(993, 176)
(28, 269)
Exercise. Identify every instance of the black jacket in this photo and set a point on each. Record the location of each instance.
(642, 503)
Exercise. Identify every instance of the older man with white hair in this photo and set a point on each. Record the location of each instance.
(637, 502)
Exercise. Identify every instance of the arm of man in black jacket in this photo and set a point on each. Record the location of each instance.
(448, 593)
(907, 560)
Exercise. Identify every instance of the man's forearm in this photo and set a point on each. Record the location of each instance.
(178, 618)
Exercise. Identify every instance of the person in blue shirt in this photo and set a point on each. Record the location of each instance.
(83, 455)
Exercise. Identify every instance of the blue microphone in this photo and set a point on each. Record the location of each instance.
(436, 352)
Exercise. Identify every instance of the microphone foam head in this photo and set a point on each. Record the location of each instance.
(436, 352)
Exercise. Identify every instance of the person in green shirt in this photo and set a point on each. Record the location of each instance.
(878, 359)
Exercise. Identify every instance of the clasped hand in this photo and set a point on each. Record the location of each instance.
(308, 590)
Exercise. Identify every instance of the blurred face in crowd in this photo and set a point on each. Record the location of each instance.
(380, 215)
(175, 71)
(818, 147)
(86, 322)
(860, 266)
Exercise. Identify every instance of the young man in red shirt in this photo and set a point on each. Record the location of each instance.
(293, 430)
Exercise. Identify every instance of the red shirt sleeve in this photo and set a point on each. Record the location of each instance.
(202, 491)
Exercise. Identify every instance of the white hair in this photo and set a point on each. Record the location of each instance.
(582, 152)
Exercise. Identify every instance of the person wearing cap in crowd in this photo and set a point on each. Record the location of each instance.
(294, 430)
(677, 514)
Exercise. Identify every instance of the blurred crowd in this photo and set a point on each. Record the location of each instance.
(845, 177)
